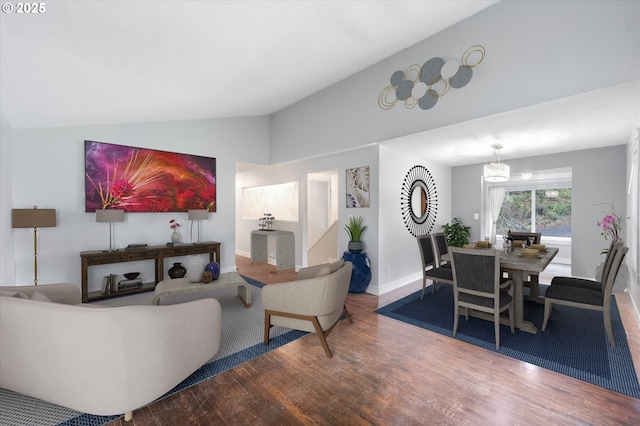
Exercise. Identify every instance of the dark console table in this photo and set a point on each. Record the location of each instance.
(157, 254)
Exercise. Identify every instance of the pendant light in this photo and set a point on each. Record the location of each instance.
(496, 171)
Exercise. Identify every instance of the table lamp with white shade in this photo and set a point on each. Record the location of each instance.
(199, 215)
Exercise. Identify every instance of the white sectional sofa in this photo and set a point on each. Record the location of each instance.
(100, 360)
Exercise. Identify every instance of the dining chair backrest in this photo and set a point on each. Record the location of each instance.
(524, 236)
(618, 257)
(426, 251)
(613, 247)
(440, 246)
(476, 271)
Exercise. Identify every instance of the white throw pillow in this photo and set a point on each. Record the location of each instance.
(17, 294)
(39, 297)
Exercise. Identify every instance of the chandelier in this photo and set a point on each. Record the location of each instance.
(496, 171)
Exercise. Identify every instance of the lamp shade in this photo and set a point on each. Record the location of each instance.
(33, 218)
(199, 214)
(497, 172)
(111, 215)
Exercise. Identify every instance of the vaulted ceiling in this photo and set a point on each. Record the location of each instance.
(105, 62)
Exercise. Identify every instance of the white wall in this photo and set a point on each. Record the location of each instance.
(51, 174)
(399, 254)
(633, 225)
(7, 249)
(393, 251)
(297, 171)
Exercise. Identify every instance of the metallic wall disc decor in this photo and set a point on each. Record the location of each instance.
(438, 75)
(419, 201)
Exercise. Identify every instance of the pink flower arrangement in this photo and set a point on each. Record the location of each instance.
(173, 224)
(611, 225)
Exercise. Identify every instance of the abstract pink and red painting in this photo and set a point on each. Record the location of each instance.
(147, 180)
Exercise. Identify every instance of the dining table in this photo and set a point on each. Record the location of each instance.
(519, 266)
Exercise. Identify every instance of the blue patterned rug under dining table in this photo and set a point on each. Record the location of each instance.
(574, 343)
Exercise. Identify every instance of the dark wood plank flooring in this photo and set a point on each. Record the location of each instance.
(385, 372)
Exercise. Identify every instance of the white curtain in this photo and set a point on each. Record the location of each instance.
(496, 198)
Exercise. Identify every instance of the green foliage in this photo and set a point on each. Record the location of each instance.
(355, 228)
(457, 233)
(552, 213)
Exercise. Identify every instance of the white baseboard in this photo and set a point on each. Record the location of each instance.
(390, 286)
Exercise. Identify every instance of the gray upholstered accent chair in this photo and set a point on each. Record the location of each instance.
(440, 248)
(313, 303)
(533, 281)
(587, 294)
(478, 285)
(429, 269)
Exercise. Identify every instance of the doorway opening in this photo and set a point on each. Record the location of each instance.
(322, 217)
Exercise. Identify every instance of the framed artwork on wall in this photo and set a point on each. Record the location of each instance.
(357, 181)
(147, 180)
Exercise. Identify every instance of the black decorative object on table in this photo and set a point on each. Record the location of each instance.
(131, 275)
(361, 272)
(177, 271)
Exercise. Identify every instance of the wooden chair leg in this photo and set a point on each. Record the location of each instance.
(424, 286)
(456, 314)
(606, 314)
(512, 319)
(547, 312)
(323, 337)
(267, 328)
(347, 315)
(496, 327)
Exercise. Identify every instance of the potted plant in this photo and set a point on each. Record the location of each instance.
(457, 233)
(355, 229)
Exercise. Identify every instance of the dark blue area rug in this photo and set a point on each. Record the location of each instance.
(574, 343)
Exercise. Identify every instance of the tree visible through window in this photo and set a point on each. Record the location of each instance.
(547, 211)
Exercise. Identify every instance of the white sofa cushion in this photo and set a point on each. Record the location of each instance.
(39, 297)
(17, 294)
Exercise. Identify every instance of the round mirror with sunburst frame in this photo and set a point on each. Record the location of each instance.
(419, 201)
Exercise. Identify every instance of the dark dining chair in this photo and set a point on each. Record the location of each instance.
(478, 285)
(524, 236)
(596, 285)
(533, 280)
(587, 294)
(440, 248)
(429, 269)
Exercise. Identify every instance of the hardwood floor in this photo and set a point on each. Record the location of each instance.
(385, 372)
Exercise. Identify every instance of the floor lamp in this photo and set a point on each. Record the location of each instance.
(34, 218)
(112, 215)
(199, 215)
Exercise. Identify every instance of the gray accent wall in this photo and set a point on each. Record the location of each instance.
(536, 51)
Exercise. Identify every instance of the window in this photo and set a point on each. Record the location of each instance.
(547, 211)
(542, 204)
